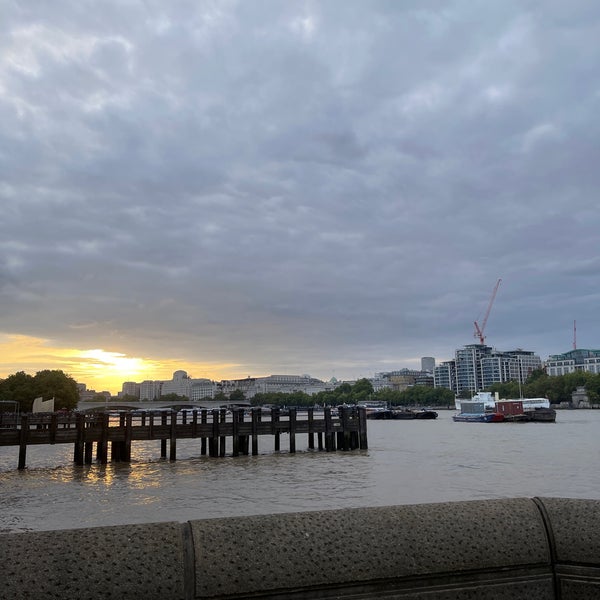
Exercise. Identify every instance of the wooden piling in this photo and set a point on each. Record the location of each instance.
(275, 413)
(328, 429)
(256, 418)
(78, 446)
(173, 437)
(23, 435)
(222, 438)
(311, 428)
(204, 421)
(292, 418)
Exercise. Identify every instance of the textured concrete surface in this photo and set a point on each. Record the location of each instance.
(102, 562)
(365, 545)
(512, 549)
(574, 529)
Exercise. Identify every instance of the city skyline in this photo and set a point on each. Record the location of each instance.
(329, 188)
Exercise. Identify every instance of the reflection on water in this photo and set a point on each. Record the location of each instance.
(407, 462)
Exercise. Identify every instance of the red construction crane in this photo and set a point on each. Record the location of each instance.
(480, 329)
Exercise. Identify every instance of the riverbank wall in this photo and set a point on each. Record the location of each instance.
(520, 548)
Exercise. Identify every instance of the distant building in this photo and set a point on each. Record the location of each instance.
(129, 388)
(572, 361)
(183, 385)
(150, 390)
(402, 379)
(427, 364)
(477, 367)
(286, 384)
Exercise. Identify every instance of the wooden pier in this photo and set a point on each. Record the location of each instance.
(345, 431)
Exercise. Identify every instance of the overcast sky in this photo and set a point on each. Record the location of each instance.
(268, 186)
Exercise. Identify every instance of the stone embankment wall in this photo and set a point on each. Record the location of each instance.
(530, 549)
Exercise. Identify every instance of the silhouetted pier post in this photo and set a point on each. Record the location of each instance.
(23, 434)
(235, 421)
(213, 442)
(203, 421)
(292, 418)
(88, 452)
(256, 419)
(102, 446)
(163, 441)
(222, 438)
(128, 438)
(329, 431)
(275, 415)
(362, 428)
(311, 428)
(173, 436)
(78, 446)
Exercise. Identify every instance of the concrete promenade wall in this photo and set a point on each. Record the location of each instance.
(521, 548)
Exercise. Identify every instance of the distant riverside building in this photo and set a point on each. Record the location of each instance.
(130, 388)
(250, 386)
(572, 361)
(402, 379)
(150, 390)
(183, 385)
(477, 366)
(427, 364)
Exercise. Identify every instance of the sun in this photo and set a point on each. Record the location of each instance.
(117, 363)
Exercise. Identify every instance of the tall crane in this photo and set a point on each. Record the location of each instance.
(479, 329)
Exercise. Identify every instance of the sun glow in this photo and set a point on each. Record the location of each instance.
(99, 369)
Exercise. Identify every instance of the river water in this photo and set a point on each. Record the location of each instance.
(407, 462)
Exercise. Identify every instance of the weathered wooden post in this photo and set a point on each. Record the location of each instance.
(213, 442)
(222, 438)
(128, 437)
(163, 441)
(275, 412)
(311, 428)
(256, 418)
(329, 431)
(173, 436)
(88, 452)
(362, 428)
(53, 427)
(292, 418)
(195, 423)
(102, 445)
(204, 421)
(78, 446)
(236, 428)
(23, 435)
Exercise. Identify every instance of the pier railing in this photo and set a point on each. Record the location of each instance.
(345, 430)
(503, 549)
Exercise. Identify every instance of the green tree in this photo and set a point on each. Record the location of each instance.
(237, 396)
(361, 391)
(47, 384)
(56, 384)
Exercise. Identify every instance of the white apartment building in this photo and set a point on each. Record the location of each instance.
(575, 360)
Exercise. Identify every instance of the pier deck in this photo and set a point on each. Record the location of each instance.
(346, 431)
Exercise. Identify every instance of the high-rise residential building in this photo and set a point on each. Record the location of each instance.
(477, 367)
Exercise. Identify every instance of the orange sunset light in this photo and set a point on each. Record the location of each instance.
(98, 369)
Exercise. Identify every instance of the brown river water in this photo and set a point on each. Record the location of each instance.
(407, 462)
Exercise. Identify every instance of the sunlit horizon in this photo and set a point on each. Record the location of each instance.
(100, 370)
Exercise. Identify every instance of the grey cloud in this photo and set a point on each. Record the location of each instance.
(277, 184)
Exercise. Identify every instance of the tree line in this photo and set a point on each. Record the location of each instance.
(23, 389)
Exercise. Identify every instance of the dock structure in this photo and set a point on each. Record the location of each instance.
(346, 430)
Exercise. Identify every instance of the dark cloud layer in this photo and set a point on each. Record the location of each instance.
(300, 187)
